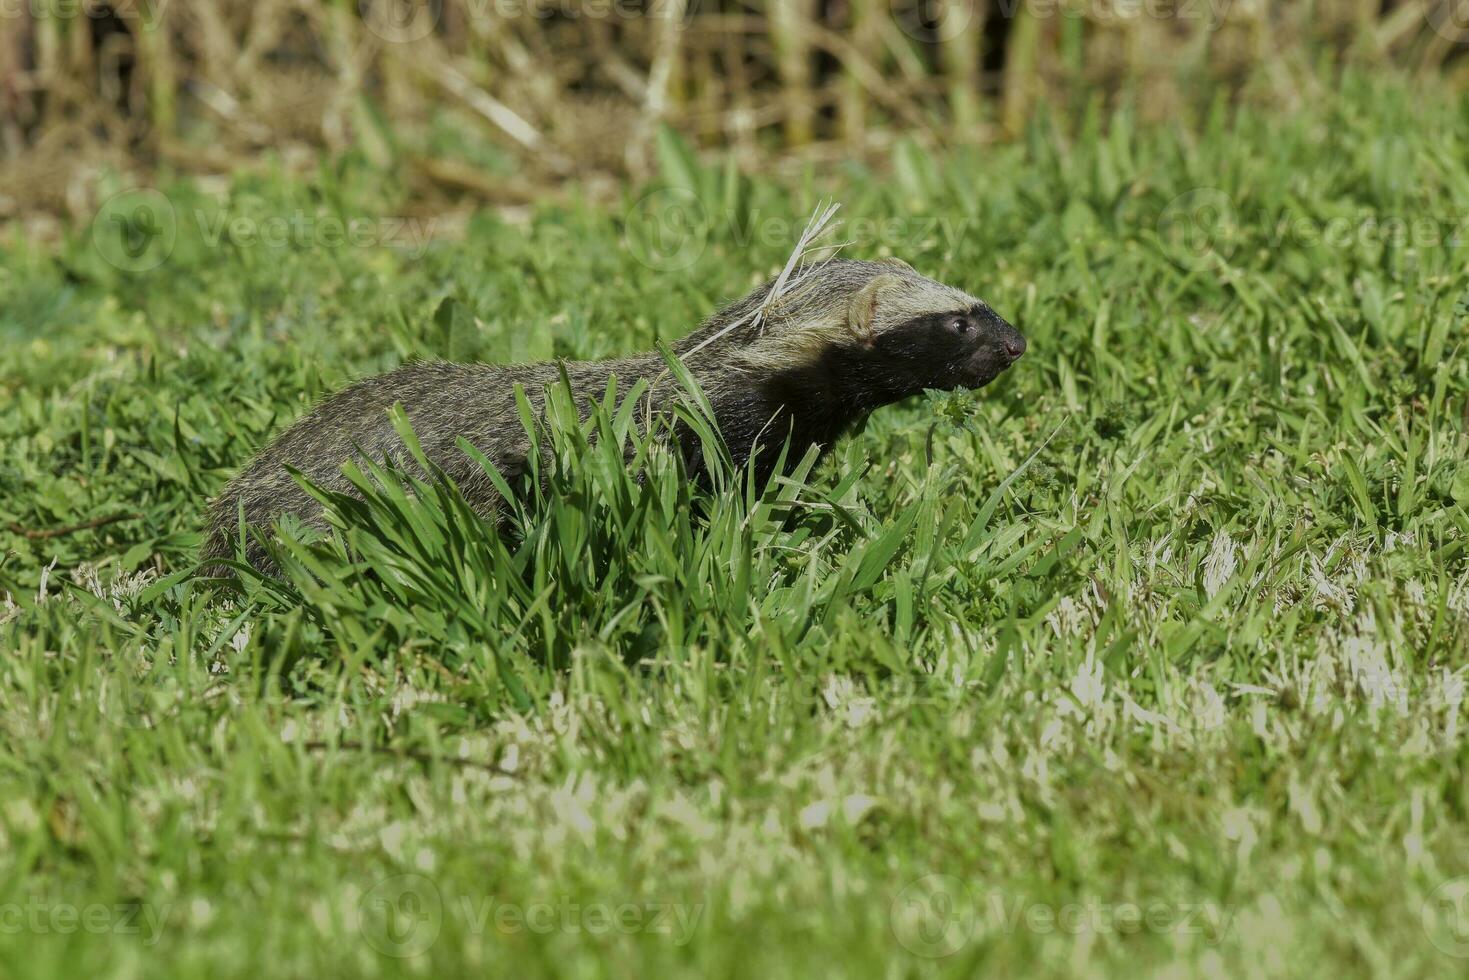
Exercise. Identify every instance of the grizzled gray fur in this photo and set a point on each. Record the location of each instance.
(802, 362)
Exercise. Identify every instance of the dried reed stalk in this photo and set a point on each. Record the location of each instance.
(314, 75)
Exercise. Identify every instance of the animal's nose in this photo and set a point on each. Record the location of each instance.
(1014, 344)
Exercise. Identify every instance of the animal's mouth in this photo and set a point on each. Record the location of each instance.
(989, 363)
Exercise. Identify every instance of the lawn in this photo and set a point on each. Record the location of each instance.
(1148, 658)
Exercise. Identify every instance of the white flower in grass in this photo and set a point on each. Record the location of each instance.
(1451, 696)
(852, 808)
(1238, 826)
(1399, 539)
(1458, 599)
(1088, 686)
(1208, 707)
(1329, 593)
(1067, 618)
(842, 697)
(45, 580)
(1220, 563)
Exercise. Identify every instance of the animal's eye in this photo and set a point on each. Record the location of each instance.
(959, 325)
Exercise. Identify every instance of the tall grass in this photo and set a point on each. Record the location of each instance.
(1204, 658)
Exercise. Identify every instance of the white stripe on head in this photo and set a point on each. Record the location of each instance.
(814, 311)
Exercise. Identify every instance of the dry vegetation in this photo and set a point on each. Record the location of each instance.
(504, 100)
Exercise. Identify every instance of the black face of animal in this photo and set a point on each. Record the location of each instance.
(960, 349)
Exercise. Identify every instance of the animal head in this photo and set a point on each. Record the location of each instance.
(883, 318)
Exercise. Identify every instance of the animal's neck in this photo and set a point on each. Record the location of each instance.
(812, 404)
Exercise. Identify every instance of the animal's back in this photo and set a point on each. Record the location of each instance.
(442, 402)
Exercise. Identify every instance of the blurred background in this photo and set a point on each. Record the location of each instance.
(505, 101)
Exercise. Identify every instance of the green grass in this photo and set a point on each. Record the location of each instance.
(1183, 695)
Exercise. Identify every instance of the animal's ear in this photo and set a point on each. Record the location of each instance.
(862, 311)
(898, 264)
